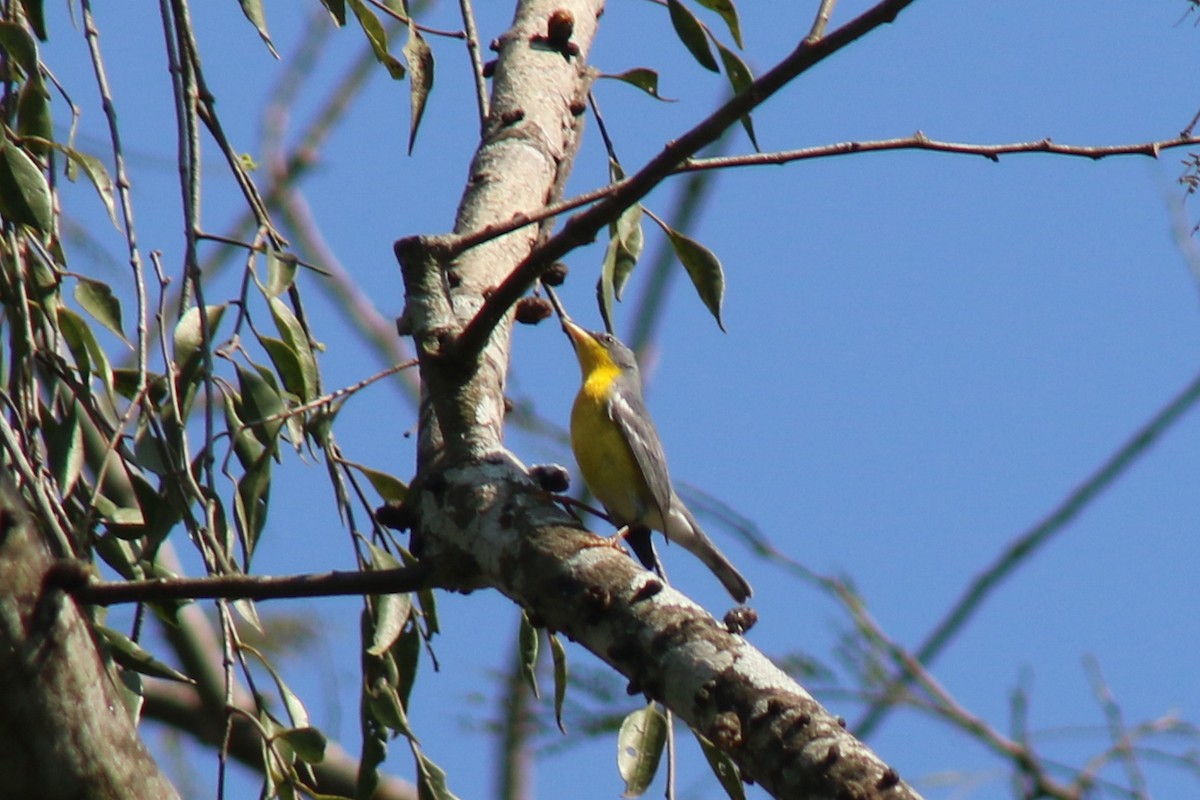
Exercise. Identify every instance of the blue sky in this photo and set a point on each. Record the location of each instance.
(925, 352)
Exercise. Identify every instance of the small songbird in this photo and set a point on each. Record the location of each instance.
(621, 457)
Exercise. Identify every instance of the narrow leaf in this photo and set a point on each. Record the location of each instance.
(527, 646)
(337, 10)
(19, 46)
(740, 77)
(36, 17)
(98, 175)
(188, 335)
(420, 71)
(254, 12)
(377, 36)
(391, 615)
(559, 654)
(308, 743)
(97, 299)
(281, 272)
(728, 12)
(129, 654)
(33, 115)
(390, 488)
(431, 779)
(644, 79)
(24, 192)
(296, 337)
(640, 745)
(724, 768)
(703, 267)
(691, 33)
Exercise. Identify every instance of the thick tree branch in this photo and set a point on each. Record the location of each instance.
(64, 731)
(583, 228)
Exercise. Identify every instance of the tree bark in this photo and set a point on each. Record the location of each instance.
(65, 733)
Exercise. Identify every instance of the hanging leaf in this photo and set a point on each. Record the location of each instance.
(294, 335)
(640, 745)
(33, 115)
(724, 768)
(390, 488)
(624, 248)
(189, 332)
(644, 79)
(281, 272)
(24, 191)
(377, 36)
(528, 648)
(420, 70)
(337, 10)
(129, 654)
(431, 779)
(19, 46)
(97, 299)
(559, 654)
(691, 33)
(703, 267)
(35, 16)
(740, 78)
(254, 12)
(97, 174)
(308, 743)
(728, 12)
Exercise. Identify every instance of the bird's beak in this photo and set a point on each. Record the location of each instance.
(577, 334)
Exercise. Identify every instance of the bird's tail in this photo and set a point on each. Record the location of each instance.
(683, 529)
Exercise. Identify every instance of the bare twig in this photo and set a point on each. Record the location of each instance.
(254, 587)
(1023, 547)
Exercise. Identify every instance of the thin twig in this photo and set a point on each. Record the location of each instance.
(822, 20)
(255, 587)
(476, 56)
(1023, 547)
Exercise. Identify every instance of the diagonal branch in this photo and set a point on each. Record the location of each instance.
(582, 229)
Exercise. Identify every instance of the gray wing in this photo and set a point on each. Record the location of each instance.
(628, 411)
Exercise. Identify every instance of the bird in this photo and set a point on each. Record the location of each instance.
(621, 456)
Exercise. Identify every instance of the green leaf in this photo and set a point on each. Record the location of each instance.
(254, 12)
(559, 655)
(390, 488)
(281, 272)
(377, 36)
(97, 174)
(391, 615)
(308, 743)
(337, 10)
(188, 336)
(431, 779)
(24, 191)
(740, 78)
(724, 768)
(420, 71)
(644, 79)
(261, 400)
(640, 745)
(296, 338)
(33, 115)
(19, 47)
(130, 655)
(296, 711)
(35, 16)
(527, 646)
(703, 267)
(65, 448)
(728, 12)
(88, 354)
(97, 299)
(691, 33)
(620, 257)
